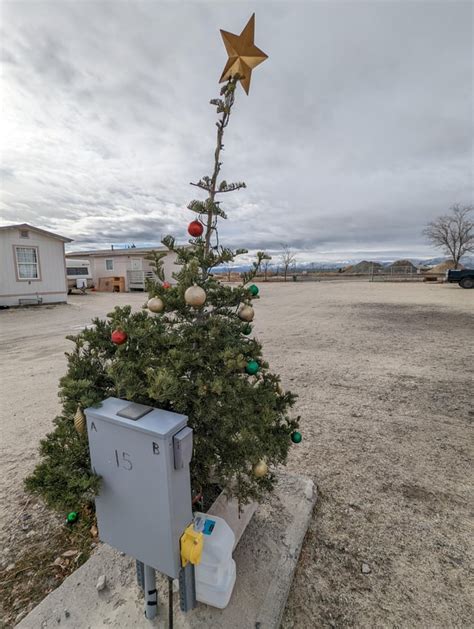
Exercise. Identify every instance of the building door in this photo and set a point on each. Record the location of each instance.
(136, 264)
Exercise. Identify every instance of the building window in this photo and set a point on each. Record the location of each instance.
(77, 270)
(109, 265)
(24, 233)
(27, 263)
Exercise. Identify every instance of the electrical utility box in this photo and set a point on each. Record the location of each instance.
(144, 502)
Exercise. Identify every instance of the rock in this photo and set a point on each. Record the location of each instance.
(70, 553)
(10, 567)
(309, 489)
(365, 568)
(101, 583)
(25, 521)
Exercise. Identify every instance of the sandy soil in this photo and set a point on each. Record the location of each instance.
(384, 374)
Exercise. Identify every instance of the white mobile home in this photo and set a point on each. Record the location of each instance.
(32, 266)
(124, 269)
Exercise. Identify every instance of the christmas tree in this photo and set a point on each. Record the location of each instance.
(190, 350)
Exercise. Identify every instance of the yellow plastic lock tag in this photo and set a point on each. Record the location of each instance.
(191, 543)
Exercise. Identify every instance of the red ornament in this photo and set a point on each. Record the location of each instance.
(195, 229)
(166, 285)
(118, 337)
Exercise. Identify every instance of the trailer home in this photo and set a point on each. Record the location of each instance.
(78, 273)
(32, 266)
(124, 269)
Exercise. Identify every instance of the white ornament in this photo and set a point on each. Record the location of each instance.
(155, 304)
(260, 469)
(246, 313)
(195, 296)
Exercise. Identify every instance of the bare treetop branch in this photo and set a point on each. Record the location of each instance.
(453, 232)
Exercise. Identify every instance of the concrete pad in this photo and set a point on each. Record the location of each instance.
(237, 518)
(266, 557)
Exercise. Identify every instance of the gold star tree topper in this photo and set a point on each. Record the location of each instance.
(244, 56)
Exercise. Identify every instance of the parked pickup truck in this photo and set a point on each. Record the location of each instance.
(464, 278)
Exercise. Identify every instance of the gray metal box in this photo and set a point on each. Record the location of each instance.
(144, 503)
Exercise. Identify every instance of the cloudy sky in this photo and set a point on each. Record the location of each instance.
(357, 130)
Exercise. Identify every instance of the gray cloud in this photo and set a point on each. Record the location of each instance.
(357, 130)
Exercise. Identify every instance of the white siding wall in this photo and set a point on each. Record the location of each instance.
(170, 267)
(98, 269)
(52, 283)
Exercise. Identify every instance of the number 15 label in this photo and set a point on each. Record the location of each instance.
(123, 460)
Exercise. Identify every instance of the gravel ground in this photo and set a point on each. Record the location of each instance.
(384, 373)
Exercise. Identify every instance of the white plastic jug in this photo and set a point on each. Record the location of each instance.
(215, 574)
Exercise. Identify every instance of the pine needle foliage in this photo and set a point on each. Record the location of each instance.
(189, 360)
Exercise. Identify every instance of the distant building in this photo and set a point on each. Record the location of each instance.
(364, 268)
(402, 267)
(124, 269)
(32, 266)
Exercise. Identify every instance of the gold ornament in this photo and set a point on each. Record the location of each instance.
(195, 296)
(80, 421)
(260, 469)
(155, 304)
(244, 56)
(246, 313)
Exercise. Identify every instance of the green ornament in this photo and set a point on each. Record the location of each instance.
(72, 517)
(253, 290)
(246, 329)
(296, 437)
(252, 367)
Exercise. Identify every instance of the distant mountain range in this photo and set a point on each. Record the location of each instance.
(467, 261)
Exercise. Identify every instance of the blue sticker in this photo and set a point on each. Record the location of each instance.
(209, 526)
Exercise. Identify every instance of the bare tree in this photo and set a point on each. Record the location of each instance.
(265, 267)
(287, 259)
(453, 232)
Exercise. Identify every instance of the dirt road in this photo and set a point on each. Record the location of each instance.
(384, 373)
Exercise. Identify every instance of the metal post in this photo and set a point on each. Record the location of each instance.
(187, 588)
(151, 598)
(140, 566)
(170, 603)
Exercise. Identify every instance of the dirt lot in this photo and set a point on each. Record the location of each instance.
(384, 373)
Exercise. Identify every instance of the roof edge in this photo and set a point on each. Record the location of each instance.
(36, 229)
(104, 253)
